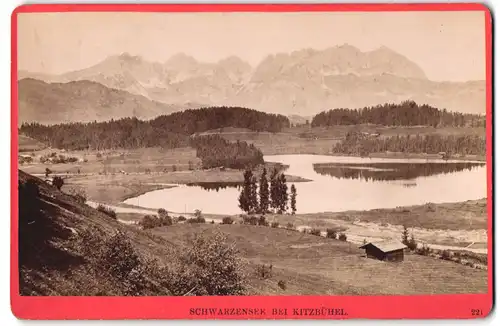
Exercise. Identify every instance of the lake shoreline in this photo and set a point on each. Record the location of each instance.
(479, 158)
(116, 188)
(302, 170)
(434, 227)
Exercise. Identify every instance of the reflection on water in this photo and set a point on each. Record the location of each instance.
(209, 186)
(390, 171)
(385, 183)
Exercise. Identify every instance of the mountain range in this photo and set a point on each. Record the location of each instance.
(302, 82)
(83, 101)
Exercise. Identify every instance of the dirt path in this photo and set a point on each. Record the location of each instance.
(356, 232)
(145, 211)
(358, 235)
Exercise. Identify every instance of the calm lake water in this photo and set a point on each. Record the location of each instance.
(340, 184)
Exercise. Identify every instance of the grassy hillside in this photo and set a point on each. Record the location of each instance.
(52, 238)
(68, 248)
(311, 265)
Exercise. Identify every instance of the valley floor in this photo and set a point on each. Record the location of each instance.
(111, 177)
(304, 264)
(307, 264)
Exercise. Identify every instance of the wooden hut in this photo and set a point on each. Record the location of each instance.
(385, 250)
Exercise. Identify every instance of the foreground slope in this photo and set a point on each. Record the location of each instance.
(59, 240)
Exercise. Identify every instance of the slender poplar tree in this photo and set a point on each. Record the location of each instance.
(293, 199)
(264, 193)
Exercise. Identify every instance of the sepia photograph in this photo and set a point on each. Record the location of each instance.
(252, 153)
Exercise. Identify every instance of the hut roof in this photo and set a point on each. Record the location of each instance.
(386, 246)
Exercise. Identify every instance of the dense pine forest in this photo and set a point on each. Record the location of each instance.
(168, 131)
(407, 113)
(113, 134)
(192, 121)
(215, 151)
(357, 144)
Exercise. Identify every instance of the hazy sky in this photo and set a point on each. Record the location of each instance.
(447, 45)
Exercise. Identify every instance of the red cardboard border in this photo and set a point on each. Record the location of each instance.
(374, 307)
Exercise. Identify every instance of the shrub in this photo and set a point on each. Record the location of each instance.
(208, 266)
(469, 263)
(479, 258)
(58, 182)
(118, 256)
(107, 210)
(164, 218)
(213, 222)
(430, 207)
(250, 220)
(149, 222)
(331, 233)
(181, 218)
(198, 218)
(290, 226)
(412, 244)
(115, 257)
(424, 250)
(23, 160)
(195, 220)
(263, 271)
(275, 225)
(316, 232)
(79, 195)
(57, 159)
(282, 284)
(342, 237)
(446, 255)
(227, 220)
(174, 168)
(262, 221)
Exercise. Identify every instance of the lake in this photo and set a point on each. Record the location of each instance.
(340, 184)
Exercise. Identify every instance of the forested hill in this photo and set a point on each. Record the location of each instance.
(166, 131)
(407, 113)
(192, 121)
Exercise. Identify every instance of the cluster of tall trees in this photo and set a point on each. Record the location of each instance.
(268, 195)
(356, 143)
(168, 131)
(407, 113)
(215, 151)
